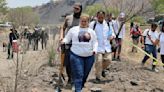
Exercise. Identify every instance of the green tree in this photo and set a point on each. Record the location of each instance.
(139, 19)
(158, 6)
(3, 10)
(3, 7)
(92, 9)
(23, 16)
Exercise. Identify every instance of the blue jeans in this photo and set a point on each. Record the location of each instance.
(80, 67)
(150, 49)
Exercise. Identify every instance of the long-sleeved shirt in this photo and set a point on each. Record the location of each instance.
(161, 41)
(116, 26)
(13, 36)
(102, 32)
(83, 49)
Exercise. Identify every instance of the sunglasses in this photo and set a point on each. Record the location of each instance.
(84, 21)
(76, 8)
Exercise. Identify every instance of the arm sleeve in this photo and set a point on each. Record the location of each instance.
(95, 43)
(123, 31)
(10, 38)
(65, 25)
(145, 32)
(91, 25)
(68, 37)
(112, 30)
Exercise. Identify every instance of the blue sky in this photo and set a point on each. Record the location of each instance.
(20, 3)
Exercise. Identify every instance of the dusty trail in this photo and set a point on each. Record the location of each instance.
(37, 75)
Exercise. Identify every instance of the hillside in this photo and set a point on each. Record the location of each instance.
(51, 12)
(37, 76)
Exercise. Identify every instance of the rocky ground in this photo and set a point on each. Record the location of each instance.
(35, 74)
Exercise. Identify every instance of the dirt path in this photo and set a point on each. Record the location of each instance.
(122, 77)
(37, 75)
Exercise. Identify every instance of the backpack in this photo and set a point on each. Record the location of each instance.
(135, 33)
(109, 32)
(94, 26)
(113, 42)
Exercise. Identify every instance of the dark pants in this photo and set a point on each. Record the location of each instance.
(44, 43)
(36, 41)
(10, 52)
(118, 48)
(80, 66)
(150, 49)
(135, 42)
(162, 58)
(67, 64)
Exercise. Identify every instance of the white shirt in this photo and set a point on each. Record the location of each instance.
(83, 49)
(112, 25)
(161, 41)
(116, 26)
(154, 36)
(102, 36)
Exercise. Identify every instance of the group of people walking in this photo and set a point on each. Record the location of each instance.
(87, 42)
(25, 39)
(99, 41)
(151, 38)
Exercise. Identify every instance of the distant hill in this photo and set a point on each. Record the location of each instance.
(51, 12)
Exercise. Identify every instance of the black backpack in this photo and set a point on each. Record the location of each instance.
(94, 26)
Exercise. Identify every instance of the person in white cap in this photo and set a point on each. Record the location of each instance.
(119, 34)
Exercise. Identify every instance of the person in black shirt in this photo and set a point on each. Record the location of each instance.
(12, 36)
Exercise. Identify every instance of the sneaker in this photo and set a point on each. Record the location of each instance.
(113, 59)
(68, 86)
(118, 58)
(155, 70)
(103, 74)
(69, 81)
(73, 88)
(8, 57)
(58, 89)
(97, 80)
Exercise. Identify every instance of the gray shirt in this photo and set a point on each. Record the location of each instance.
(70, 22)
